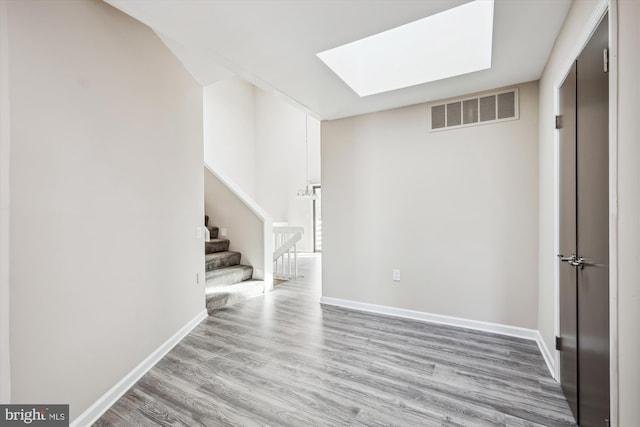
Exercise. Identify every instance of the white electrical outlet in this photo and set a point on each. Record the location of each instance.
(396, 275)
(223, 232)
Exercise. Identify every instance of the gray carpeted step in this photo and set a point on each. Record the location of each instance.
(227, 281)
(227, 276)
(221, 259)
(229, 295)
(216, 245)
(213, 232)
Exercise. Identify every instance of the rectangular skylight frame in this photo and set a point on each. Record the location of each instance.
(450, 43)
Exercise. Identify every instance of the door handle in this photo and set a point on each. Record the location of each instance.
(582, 262)
(579, 262)
(570, 259)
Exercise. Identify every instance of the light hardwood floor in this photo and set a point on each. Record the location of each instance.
(284, 360)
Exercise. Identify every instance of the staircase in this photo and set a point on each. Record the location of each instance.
(227, 281)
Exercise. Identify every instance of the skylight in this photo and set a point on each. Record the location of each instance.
(450, 43)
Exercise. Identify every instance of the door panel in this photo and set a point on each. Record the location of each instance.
(568, 237)
(593, 230)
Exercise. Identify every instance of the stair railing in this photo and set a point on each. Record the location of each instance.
(285, 241)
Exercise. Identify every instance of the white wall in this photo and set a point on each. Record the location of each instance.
(455, 211)
(629, 210)
(280, 171)
(106, 195)
(229, 141)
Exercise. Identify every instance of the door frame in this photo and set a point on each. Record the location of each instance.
(603, 7)
(313, 220)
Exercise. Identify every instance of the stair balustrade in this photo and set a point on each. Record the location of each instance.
(285, 241)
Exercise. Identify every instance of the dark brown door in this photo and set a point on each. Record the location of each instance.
(568, 242)
(593, 231)
(584, 233)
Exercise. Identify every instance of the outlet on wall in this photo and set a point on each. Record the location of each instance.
(396, 275)
(223, 232)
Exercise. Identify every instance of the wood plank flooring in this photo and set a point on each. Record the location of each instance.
(284, 360)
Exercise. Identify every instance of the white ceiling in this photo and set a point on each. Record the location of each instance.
(273, 44)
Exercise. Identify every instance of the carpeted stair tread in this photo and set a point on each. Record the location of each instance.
(227, 276)
(213, 231)
(218, 260)
(227, 281)
(229, 295)
(216, 245)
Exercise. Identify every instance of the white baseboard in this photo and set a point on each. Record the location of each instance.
(107, 400)
(497, 328)
(546, 354)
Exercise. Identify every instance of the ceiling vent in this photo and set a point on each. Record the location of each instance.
(487, 108)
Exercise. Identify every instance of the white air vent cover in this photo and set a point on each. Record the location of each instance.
(486, 108)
